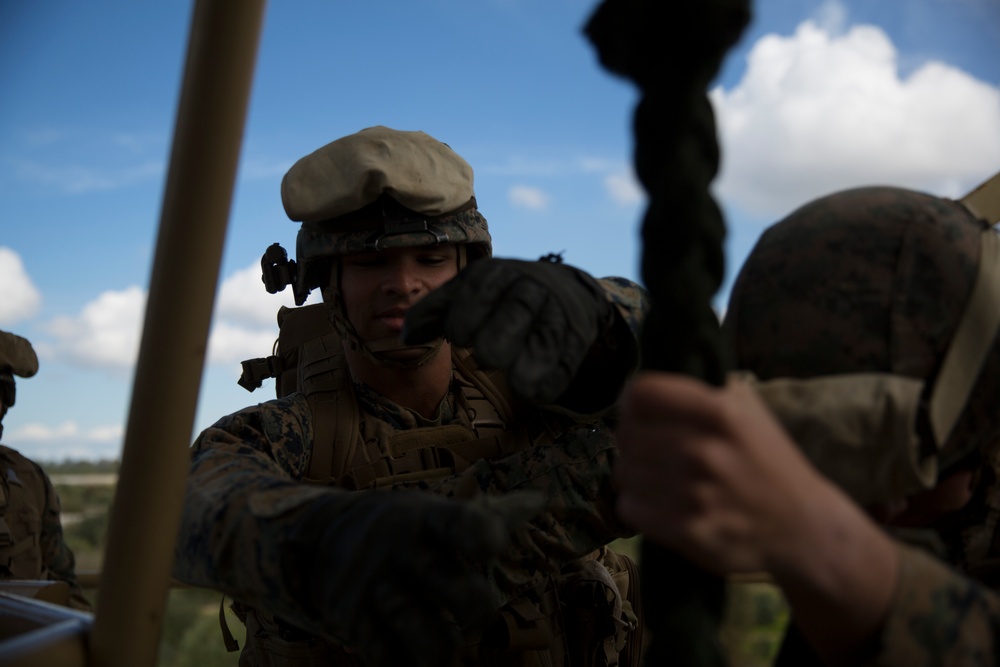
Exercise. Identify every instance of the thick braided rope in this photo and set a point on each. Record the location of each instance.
(672, 52)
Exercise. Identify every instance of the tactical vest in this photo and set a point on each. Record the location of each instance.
(20, 519)
(585, 616)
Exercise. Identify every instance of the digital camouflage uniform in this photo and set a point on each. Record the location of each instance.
(31, 536)
(246, 491)
(245, 486)
(876, 281)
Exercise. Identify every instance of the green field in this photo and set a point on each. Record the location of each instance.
(755, 619)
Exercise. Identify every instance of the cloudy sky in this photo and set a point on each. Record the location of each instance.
(818, 96)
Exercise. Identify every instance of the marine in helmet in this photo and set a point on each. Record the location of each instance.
(31, 537)
(869, 318)
(358, 517)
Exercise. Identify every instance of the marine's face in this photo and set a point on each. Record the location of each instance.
(7, 393)
(379, 287)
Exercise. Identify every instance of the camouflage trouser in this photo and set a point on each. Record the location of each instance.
(271, 643)
(521, 636)
(586, 617)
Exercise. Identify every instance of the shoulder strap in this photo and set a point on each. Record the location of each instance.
(325, 380)
(492, 383)
(308, 356)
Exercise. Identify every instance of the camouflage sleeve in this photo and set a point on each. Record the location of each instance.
(574, 473)
(57, 557)
(939, 617)
(630, 299)
(243, 496)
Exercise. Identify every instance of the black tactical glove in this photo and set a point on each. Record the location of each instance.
(396, 576)
(535, 320)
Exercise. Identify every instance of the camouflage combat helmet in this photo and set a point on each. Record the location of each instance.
(376, 189)
(373, 190)
(872, 280)
(17, 357)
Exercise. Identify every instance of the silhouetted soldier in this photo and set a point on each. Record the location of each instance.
(334, 514)
(31, 537)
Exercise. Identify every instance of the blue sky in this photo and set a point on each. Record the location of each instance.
(818, 96)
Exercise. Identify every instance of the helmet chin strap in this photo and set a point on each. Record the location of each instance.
(388, 352)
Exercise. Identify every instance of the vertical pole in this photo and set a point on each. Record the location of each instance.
(145, 516)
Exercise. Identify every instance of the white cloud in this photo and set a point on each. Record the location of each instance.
(597, 164)
(816, 113)
(228, 344)
(525, 167)
(260, 168)
(523, 196)
(69, 179)
(106, 433)
(136, 143)
(832, 16)
(624, 188)
(106, 332)
(246, 317)
(40, 432)
(66, 441)
(242, 298)
(19, 298)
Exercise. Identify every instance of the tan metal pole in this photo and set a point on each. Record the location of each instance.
(211, 115)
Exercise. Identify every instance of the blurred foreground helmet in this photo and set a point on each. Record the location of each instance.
(881, 280)
(17, 357)
(376, 189)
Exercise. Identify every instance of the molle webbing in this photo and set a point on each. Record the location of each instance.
(530, 628)
(491, 384)
(309, 357)
(347, 454)
(325, 380)
(451, 448)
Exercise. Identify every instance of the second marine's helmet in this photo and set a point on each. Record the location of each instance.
(881, 280)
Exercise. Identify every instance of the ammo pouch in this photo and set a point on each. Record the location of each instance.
(270, 642)
(598, 594)
(526, 632)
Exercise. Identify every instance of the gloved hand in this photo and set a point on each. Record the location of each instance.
(535, 320)
(395, 576)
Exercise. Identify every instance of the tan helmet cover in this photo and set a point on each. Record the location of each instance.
(418, 171)
(17, 356)
(857, 428)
